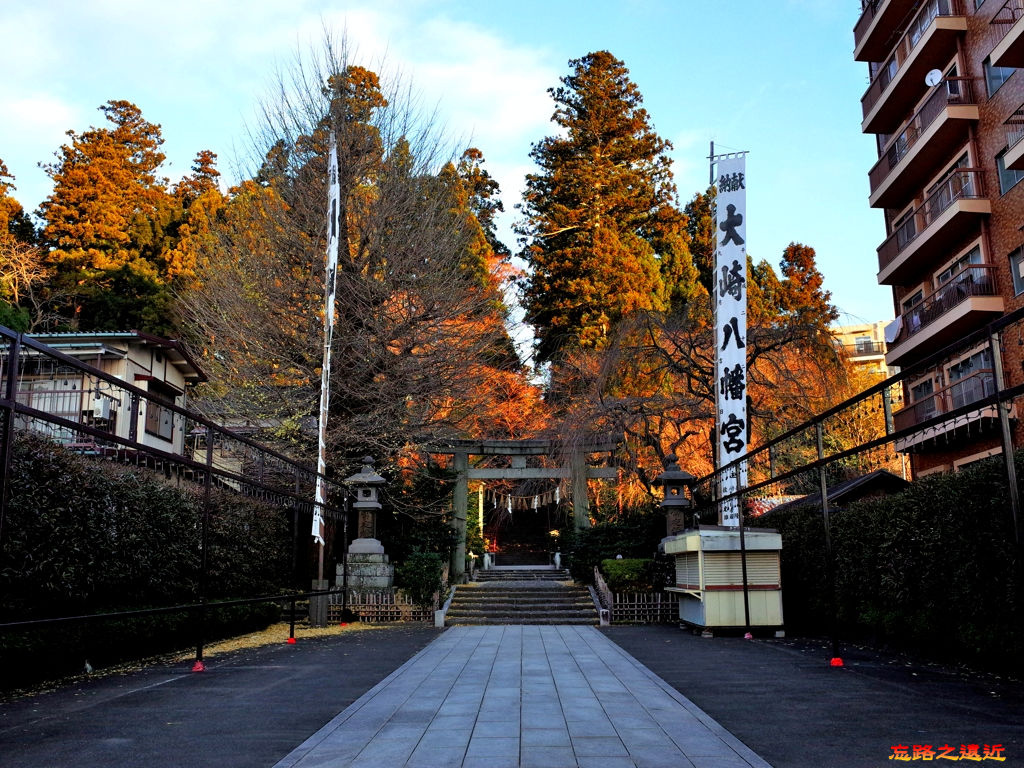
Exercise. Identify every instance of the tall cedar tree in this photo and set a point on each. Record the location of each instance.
(602, 234)
(112, 225)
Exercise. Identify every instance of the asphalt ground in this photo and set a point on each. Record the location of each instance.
(249, 708)
(253, 707)
(783, 700)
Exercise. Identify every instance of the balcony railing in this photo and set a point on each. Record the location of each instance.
(970, 389)
(955, 91)
(1015, 127)
(976, 280)
(962, 184)
(868, 10)
(1006, 35)
(1004, 19)
(887, 71)
(864, 348)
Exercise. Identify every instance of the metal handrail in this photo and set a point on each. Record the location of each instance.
(964, 183)
(888, 70)
(906, 136)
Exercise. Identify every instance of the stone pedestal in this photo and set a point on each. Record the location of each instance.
(368, 567)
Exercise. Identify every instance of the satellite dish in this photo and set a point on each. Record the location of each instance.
(933, 78)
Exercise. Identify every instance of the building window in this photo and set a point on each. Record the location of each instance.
(160, 418)
(1008, 177)
(1017, 270)
(995, 76)
(957, 267)
(971, 379)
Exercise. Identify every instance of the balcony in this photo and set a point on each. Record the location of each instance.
(951, 211)
(923, 143)
(864, 349)
(970, 389)
(928, 43)
(873, 36)
(1014, 157)
(964, 303)
(1008, 24)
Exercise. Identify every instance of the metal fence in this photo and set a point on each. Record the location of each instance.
(96, 414)
(954, 404)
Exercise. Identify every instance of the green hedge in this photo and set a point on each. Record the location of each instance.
(85, 537)
(630, 574)
(636, 536)
(933, 569)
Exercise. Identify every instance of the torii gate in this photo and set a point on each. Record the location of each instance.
(577, 472)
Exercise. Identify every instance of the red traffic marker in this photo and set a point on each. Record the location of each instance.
(198, 667)
(291, 641)
(343, 624)
(836, 662)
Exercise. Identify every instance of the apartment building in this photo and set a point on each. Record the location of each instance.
(946, 105)
(864, 346)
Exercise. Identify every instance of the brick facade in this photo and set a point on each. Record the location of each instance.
(927, 258)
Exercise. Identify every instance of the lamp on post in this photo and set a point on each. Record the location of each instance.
(678, 485)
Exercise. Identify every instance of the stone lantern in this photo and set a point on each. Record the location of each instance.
(678, 485)
(367, 565)
(365, 485)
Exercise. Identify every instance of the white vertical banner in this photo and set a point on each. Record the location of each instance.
(333, 209)
(730, 297)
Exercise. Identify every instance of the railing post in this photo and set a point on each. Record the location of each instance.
(829, 560)
(10, 393)
(1007, 436)
(133, 424)
(199, 666)
(887, 410)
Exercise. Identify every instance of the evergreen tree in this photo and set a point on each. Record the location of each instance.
(109, 220)
(15, 224)
(600, 213)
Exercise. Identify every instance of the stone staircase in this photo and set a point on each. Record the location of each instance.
(521, 597)
(521, 574)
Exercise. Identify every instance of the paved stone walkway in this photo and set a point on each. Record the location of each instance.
(530, 696)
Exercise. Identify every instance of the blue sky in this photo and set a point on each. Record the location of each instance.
(775, 78)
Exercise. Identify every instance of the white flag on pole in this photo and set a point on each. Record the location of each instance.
(333, 210)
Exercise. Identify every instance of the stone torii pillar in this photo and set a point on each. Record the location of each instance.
(457, 566)
(580, 503)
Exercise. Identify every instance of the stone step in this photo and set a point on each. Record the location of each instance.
(512, 593)
(486, 576)
(521, 620)
(524, 600)
(514, 616)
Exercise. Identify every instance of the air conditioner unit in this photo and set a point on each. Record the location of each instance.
(101, 407)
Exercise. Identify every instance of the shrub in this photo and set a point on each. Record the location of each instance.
(85, 537)
(931, 570)
(635, 536)
(632, 574)
(420, 577)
